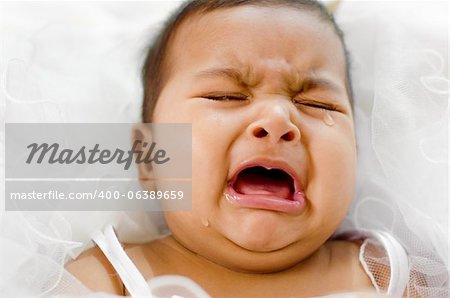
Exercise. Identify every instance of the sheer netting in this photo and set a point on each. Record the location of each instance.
(420, 283)
(375, 257)
(400, 76)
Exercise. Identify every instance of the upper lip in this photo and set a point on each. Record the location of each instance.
(269, 164)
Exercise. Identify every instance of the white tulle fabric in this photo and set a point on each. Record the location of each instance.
(400, 75)
(79, 62)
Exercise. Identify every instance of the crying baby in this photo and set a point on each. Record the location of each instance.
(266, 87)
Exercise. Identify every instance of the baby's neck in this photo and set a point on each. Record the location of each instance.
(331, 268)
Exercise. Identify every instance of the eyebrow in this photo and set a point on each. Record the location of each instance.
(232, 73)
(312, 80)
(309, 79)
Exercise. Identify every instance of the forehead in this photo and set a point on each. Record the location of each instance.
(257, 39)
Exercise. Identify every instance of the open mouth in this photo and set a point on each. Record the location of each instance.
(261, 181)
(267, 188)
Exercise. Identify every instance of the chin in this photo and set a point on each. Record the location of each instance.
(262, 232)
(260, 244)
(257, 256)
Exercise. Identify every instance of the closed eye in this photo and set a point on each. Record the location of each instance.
(227, 97)
(317, 105)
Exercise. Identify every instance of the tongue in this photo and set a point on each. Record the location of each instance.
(254, 184)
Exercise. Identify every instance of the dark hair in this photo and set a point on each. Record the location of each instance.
(154, 74)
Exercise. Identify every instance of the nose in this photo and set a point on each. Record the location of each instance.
(275, 126)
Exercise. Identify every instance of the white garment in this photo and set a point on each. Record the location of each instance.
(178, 286)
(137, 286)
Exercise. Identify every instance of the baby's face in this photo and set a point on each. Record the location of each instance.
(273, 162)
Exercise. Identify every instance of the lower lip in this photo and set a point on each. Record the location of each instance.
(267, 202)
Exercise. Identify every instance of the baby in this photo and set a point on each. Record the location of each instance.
(265, 84)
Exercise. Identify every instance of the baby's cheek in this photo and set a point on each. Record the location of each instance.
(209, 155)
(333, 165)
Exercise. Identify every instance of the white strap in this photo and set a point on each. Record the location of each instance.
(125, 268)
(398, 259)
(399, 264)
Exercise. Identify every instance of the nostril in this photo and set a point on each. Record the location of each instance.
(289, 136)
(260, 132)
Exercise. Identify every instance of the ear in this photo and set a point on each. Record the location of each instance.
(332, 6)
(141, 137)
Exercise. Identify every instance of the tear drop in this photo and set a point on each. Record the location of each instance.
(328, 119)
(205, 222)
